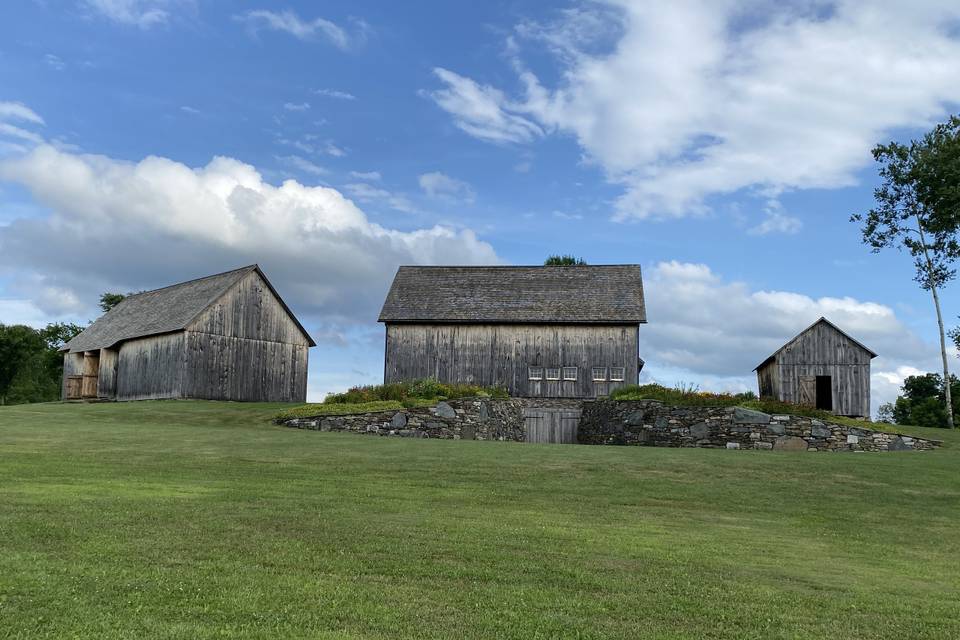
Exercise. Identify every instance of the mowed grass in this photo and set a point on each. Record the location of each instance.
(203, 520)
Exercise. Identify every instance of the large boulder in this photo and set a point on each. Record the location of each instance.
(790, 443)
(399, 420)
(700, 431)
(444, 410)
(749, 416)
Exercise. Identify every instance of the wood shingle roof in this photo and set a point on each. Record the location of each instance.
(595, 294)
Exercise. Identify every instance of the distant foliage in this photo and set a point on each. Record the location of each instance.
(110, 300)
(564, 261)
(885, 413)
(31, 367)
(922, 401)
(413, 393)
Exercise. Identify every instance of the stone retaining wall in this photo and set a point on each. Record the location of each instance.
(466, 419)
(651, 423)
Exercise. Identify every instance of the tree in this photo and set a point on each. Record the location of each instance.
(18, 345)
(558, 260)
(110, 300)
(885, 413)
(923, 401)
(918, 209)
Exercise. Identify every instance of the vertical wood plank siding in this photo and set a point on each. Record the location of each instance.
(821, 351)
(107, 383)
(151, 368)
(72, 366)
(501, 355)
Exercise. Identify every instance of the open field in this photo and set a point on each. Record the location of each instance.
(201, 520)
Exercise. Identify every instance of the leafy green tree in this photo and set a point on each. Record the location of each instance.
(918, 209)
(110, 300)
(885, 413)
(19, 344)
(558, 260)
(923, 401)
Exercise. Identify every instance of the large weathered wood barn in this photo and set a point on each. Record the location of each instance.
(553, 332)
(822, 367)
(224, 337)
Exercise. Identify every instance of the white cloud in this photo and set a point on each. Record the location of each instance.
(19, 111)
(301, 163)
(54, 62)
(139, 13)
(439, 185)
(157, 221)
(563, 215)
(482, 111)
(188, 109)
(333, 93)
(776, 220)
(682, 101)
(368, 193)
(296, 106)
(713, 332)
(289, 22)
(366, 175)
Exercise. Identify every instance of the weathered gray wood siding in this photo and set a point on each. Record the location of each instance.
(72, 366)
(823, 351)
(228, 368)
(249, 310)
(501, 354)
(246, 347)
(151, 368)
(107, 382)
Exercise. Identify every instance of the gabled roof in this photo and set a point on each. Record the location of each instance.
(164, 310)
(799, 335)
(603, 294)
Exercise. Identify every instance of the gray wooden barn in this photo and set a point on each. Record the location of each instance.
(822, 367)
(550, 332)
(224, 337)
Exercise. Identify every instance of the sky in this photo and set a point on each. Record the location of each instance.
(721, 145)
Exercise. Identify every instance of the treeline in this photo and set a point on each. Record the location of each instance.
(922, 402)
(31, 367)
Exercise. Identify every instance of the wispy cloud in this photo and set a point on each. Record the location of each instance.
(302, 164)
(366, 175)
(54, 62)
(334, 93)
(138, 13)
(371, 194)
(19, 111)
(440, 185)
(296, 106)
(190, 110)
(289, 22)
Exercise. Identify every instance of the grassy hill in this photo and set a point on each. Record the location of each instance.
(201, 519)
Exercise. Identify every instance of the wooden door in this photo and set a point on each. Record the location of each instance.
(807, 391)
(91, 374)
(74, 387)
(549, 425)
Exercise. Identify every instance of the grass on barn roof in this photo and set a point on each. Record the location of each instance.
(203, 520)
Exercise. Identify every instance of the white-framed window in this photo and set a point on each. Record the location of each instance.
(616, 374)
(553, 373)
(535, 373)
(569, 373)
(599, 374)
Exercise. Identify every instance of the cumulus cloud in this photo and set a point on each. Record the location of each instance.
(439, 185)
(138, 13)
(118, 225)
(682, 101)
(708, 330)
(289, 22)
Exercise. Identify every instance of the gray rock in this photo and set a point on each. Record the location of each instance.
(777, 429)
(749, 416)
(444, 410)
(484, 412)
(399, 420)
(820, 431)
(700, 431)
(900, 444)
(733, 445)
(661, 423)
(790, 443)
(763, 445)
(468, 432)
(635, 419)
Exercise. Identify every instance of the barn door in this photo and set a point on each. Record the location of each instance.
(548, 425)
(807, 391)
(91, 374)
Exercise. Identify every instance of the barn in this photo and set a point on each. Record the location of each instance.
(539, 332)
(822, 367)
(223, 337)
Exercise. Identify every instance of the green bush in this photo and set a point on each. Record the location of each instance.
(683, 397)
(412, 393)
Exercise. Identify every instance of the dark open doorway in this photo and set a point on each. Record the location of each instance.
(824, 393)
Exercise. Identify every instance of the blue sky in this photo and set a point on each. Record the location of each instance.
(723, 146)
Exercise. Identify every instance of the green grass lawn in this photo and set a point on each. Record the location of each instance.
(203, 520)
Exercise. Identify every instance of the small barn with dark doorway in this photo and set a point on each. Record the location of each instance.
(822, 367)
(223, 337)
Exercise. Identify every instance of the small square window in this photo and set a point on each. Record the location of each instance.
(553, 373)
(536, 373)
(599, 374)
(569, 373)
(616, 374)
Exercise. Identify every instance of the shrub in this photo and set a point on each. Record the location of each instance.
(412, 393)
(686, 396)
